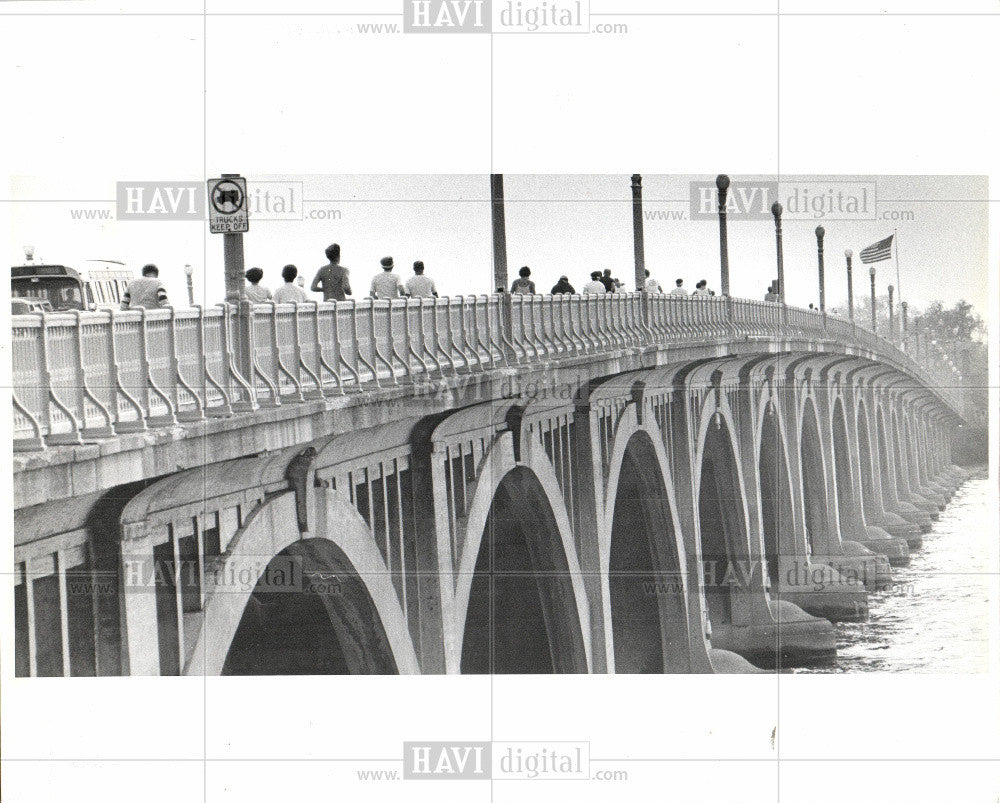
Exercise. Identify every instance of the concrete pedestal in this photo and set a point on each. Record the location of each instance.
(725, 662)
(791, 638)
(821, 591)
(877, 540)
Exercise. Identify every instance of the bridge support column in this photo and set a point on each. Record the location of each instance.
(137, 584)
(856, 515)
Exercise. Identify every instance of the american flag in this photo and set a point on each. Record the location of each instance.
(878, 251)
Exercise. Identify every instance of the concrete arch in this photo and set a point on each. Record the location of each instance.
(848, 497)
(640, 542)
(271, 529)
(502, 465)
(776, 495)
(732, 571)
(813, 478)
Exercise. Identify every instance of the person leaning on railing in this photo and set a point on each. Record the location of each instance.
(147, 292)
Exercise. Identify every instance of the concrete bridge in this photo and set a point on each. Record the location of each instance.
(618, 483)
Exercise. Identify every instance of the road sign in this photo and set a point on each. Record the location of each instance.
(227, 205)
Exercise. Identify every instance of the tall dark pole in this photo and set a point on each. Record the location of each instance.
(820, 233)
(722, 183)
(906, 327)
(640, 253)
(232, 254)
(850, 283)
(499, 233)
(871, 272)
(892, 316)
(776, 210)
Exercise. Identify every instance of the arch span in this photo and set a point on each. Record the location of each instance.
(357, 594)
(522, 615)
(728, 570)
(645, 575)
(777, 512)
(814, 499)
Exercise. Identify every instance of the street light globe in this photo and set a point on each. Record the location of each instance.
(820, 231)
(188, 270)
(871, 271)
(848, 253)
(776, 209)
(722, 181)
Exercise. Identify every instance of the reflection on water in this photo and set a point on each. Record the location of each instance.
(935, 618)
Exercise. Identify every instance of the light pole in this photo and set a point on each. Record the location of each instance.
(820, 233)
(849, 254)
(871, 272)
(188, 273)
(499, 233)
(637, 235)
(776, 210)
(722, 184)
(892, 316)
(906, 327)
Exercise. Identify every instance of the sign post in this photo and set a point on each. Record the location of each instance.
(227, 215)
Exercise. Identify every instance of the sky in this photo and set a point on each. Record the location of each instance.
(556, 224)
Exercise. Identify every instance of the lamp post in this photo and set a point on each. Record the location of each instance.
(820, 233)
(902, 306)
(849, 254)
(722, 184)
(871, 272)
(188, 273)
(776, 210)
(892, 316)
(637, 235)
(499, 233)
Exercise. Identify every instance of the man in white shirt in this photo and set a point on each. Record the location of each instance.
(651, 285)
(386, 284)
(289, 292)
(418, 285)
(595, 286)
(701, 289)
(679, 289)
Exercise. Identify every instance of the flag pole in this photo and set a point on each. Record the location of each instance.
(895, 240)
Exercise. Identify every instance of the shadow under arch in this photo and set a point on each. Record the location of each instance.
(329, 626)
(868, 499)
(846, 501)
(646, 589)
(777, 515)
(522, 614)
(721, 522)
(813, 479)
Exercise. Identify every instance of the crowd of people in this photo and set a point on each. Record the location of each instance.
(333, 280)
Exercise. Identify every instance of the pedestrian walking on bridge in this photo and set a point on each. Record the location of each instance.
(386, 284)
(289, 292)
(147, 292)
(419, 285)
(255, 293)
(333, 280)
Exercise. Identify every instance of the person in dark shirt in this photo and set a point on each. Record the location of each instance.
(563, 286)
(609, 283)
(333, 280)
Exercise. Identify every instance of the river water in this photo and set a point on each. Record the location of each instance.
(936, 617)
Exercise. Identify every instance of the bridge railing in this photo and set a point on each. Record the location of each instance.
(84, 375)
